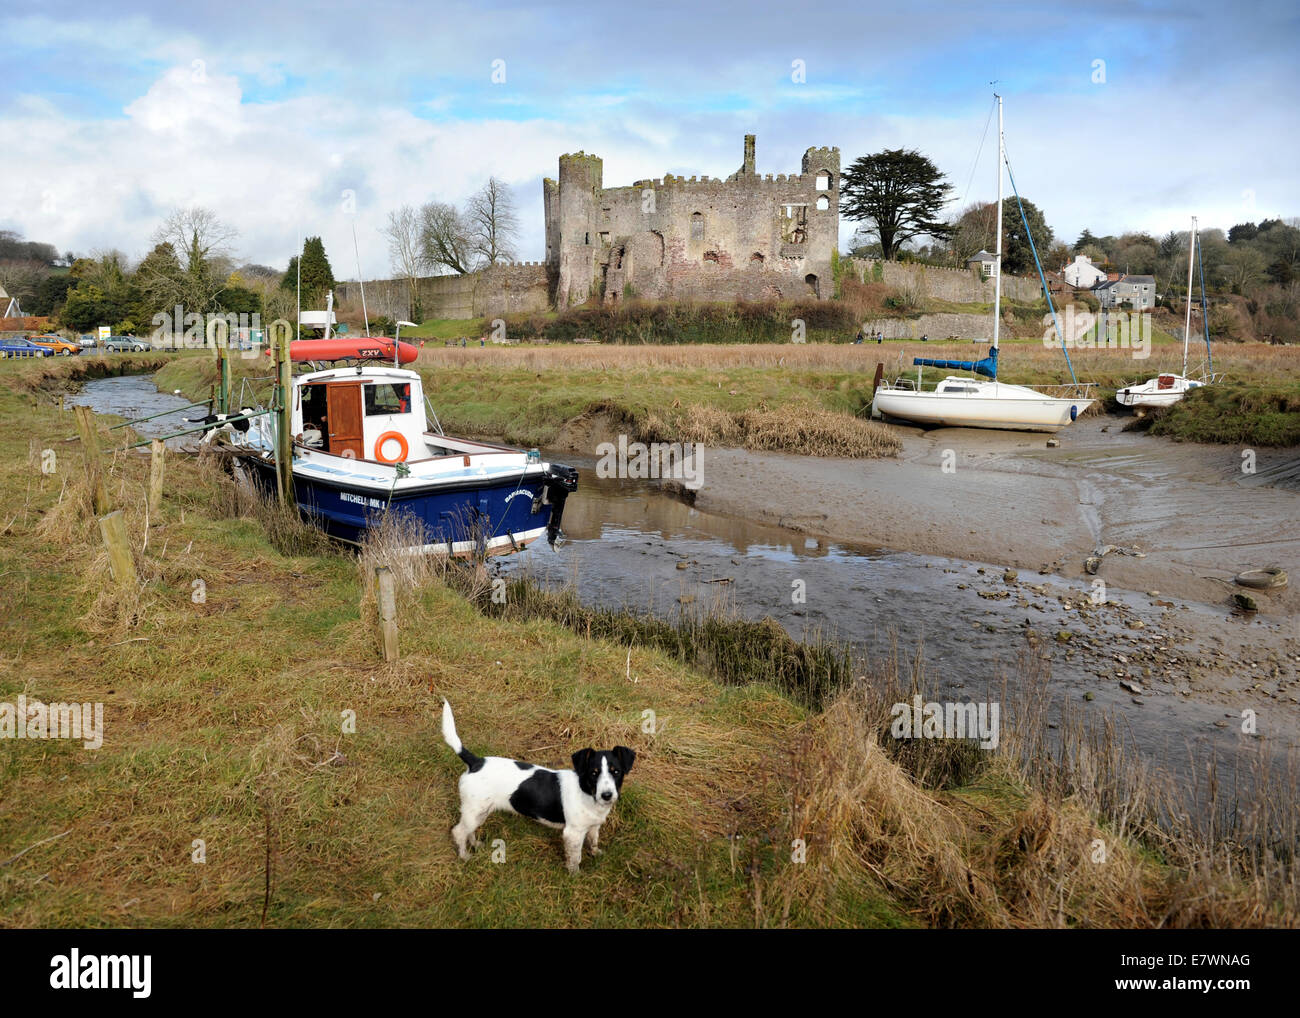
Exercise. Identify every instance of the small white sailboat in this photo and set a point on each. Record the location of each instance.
(1168, 389)
(965, 402)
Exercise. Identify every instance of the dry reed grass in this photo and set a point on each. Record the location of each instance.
(802, 430)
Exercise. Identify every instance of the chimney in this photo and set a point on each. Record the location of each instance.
(749, 155)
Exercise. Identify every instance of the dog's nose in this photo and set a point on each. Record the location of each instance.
(607, 796)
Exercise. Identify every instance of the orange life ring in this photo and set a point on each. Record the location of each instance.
(379, 447)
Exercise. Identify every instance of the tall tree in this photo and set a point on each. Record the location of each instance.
(1017, 259)
(493, 221)
(446, 239)
(317, 276)
(162, 284)
(899, 193)
(1086, 239)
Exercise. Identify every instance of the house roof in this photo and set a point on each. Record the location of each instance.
(981, 256)
(1139, 279)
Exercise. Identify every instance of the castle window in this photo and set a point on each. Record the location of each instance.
(604, 238)
(586, 238)
(711, 256)
(823, 203)
(824, 181)
(756, 258)
(697, 226)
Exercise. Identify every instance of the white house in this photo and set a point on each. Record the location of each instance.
(1082, 274)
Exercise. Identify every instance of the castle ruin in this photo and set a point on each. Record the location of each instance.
(749, 237)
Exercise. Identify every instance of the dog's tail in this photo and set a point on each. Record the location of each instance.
(453, 740)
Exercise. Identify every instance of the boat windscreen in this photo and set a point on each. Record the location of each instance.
(387, 398)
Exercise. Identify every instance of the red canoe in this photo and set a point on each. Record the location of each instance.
(366, 348)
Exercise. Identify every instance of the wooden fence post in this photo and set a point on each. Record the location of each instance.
(94, 459)
(387, 612)
(113, 529)
(157, 451)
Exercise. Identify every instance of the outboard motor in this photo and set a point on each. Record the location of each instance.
(561, 482)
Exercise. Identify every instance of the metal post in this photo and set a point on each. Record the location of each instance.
(283, 435)
(223, 387)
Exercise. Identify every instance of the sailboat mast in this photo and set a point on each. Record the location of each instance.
(1187, 327)
(997, 258)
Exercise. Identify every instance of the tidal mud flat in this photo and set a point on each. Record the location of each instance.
(983, 561)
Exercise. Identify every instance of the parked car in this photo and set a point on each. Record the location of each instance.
(88, 342)
(125, 344)
(23, 348)
(60, 346)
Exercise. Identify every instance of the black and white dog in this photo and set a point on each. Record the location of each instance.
(221, 424)
(576, 801)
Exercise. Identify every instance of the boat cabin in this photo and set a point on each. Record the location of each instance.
(371, 413)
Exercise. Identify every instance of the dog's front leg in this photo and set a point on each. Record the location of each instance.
(573, 838)
(593, 837)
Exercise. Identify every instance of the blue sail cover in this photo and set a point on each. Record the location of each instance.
(987, 367)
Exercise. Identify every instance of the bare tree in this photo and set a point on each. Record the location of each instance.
(972, 231)
(201, 243)
(493, 221)
(405, 251)
(446, 240)
(21, 277)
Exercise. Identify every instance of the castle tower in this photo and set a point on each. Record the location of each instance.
(580, 186)
(748, 168)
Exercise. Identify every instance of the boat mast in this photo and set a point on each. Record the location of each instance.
(997, 258)
(1187, 327)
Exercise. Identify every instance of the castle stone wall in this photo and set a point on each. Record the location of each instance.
(961, 286)
(503, 289)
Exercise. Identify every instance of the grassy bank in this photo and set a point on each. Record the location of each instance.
(1233, 414)
(791, 397)
(552, 395)
(227, 733)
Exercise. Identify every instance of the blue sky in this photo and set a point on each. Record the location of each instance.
(1119, 115)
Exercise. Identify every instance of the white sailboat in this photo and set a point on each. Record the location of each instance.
(1168, 389)
(973, 402)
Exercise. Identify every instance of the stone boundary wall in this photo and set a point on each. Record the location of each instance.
(937, 326)
(512, 288)
(961, 286)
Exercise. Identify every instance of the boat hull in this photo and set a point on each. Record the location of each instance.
(1009, 411)
(1152, 394)
(460, 519)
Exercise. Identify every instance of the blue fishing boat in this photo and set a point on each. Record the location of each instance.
(363, 446)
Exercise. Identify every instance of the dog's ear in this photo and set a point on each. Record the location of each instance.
(580, 759)
(625, 757)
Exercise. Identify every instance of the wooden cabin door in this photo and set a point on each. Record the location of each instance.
(344, 402)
